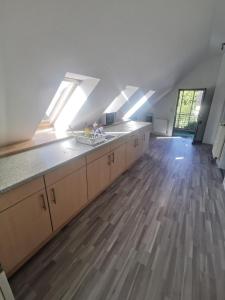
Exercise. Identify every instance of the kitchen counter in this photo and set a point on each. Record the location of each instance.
(22, 167)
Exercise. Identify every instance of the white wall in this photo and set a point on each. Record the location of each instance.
(218, 25)
(3, 112)
(217, 106)
(120, 42)
(203, 75)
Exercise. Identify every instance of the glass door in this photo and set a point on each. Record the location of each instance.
(187, 112)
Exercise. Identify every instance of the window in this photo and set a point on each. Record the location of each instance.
(138, 105)
(68, 100)
(60, 99)
(70, 110)
(120, 100)
(188, 107)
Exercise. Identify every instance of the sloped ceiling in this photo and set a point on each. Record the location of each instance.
(218, 25)
(145, 43)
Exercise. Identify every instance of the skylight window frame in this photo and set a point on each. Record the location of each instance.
(77, 95)
(60, 102)
(121, 99)
(138, 105)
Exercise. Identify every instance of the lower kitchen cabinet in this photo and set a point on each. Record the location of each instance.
(146, 137)
(98, 176)
(131, 150)
(137, 145)
(23, 228)
(104, 170)
(31, 213)
(140, 145)
(67, 197)
(118, 162)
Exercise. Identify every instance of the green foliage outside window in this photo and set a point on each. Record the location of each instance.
(188, 109)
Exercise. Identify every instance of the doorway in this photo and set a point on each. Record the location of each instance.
(187, 112)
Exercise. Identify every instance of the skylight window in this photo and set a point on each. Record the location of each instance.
(120, 100)
(70, 110)
(62, 96)
(68, 100)
(138, 105)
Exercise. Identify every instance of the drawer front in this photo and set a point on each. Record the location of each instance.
(98, 153)
(15, 195)
(147, 128)
(117, 143)
(63, 171)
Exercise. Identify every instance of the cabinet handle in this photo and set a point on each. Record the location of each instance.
(113, 157)
(136, 143)
(109, 160)
(53, 195)
(43, 202)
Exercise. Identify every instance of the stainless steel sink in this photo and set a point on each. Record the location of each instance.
(93, 142)
(109, 137)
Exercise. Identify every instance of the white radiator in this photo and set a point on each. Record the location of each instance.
(160, 126)
(219, 142)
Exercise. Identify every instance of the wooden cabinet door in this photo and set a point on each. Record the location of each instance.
(146, 138)
(98, 176)
(67, 197)
(140, 145)
(118, 162)
(23, 227)
(131, 150)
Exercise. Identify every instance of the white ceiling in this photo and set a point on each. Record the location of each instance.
(146, 43)
(218, 25)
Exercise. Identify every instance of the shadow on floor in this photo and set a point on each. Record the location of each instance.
(184, 134)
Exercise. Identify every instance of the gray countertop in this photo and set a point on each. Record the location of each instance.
(19, 168)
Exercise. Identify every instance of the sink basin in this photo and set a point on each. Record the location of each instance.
(95, 141)
(109, 136)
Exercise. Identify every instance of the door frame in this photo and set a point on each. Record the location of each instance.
(199, 121)
(203, 98)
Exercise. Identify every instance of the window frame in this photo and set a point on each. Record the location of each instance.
(60, 103)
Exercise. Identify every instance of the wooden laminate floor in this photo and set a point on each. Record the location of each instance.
(157, 233)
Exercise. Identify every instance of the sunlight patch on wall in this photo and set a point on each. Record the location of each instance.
(138, 105)
(120, 100)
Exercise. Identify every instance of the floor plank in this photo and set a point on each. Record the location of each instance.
(157, 233)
